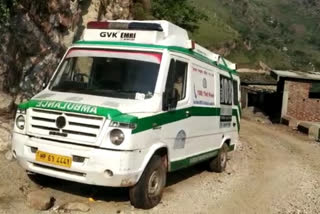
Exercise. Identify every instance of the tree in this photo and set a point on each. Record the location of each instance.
(6, 10)
(4, 13)
(180, 12)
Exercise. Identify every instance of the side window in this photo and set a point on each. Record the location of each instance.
(180, 79)
(235, 93)
(225, 90)
(171, 74)
(314, 92)
(177, 78)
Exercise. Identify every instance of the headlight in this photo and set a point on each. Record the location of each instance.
(116, 136)
(20, 122)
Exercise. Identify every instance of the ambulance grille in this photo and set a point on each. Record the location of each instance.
(79, 128)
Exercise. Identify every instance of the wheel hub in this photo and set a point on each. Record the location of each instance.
(223, 159)
(154, 183)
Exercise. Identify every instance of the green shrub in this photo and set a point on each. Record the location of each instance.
(180, 12)
(4, 13)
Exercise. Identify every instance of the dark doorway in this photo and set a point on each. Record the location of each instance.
(267, 102)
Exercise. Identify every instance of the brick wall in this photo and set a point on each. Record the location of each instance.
(300, 106)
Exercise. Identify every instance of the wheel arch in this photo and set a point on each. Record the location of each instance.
(156, 149)
(229, 142)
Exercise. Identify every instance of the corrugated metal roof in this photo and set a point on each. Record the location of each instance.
(296, 75)
(253, 78)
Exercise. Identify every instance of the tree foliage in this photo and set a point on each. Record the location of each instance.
(180, 12)
(4, 13)
(6, 10)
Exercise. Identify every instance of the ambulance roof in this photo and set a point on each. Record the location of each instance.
(153, 33)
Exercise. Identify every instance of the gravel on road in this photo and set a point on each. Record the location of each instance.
(273, 170)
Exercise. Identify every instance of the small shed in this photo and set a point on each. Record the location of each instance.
(300, 92)
(259, 90)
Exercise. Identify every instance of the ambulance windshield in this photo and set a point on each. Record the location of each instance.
(119, 74)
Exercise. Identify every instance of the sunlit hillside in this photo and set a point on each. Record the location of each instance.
(284, 34)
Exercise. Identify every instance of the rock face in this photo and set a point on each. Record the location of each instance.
(40, 200)
(37, 36)
(6, 103)
(116, 9)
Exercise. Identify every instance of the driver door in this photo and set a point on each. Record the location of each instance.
(175, 133)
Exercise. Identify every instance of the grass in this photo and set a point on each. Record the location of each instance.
(270, 26)
(216, 33)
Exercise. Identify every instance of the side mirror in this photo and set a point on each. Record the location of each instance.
(170, 100)
(45, 82)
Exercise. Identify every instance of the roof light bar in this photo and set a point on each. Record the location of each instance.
(124, 26)
(191, 44)
(119, 25)
(98, 25)
(145, 26)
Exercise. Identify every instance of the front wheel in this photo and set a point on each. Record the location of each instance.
(219, 163)
(147, 193)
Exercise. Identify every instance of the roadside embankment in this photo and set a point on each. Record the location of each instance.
(312, 129)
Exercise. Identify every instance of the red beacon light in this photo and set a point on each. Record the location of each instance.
(125, 26)
(191, 44)
(98, 25)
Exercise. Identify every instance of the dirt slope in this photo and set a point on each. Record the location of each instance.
(274, 170)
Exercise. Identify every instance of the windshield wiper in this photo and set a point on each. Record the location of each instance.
(147, 95)
(128, 91)
(68, 89)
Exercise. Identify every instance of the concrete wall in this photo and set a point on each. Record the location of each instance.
(244, 97)
(298, 104)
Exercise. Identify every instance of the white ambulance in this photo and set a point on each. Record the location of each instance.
(130, 102)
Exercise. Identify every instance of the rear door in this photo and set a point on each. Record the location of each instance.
(226, 100)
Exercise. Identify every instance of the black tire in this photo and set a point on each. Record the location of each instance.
(219, 163)
(147, 193)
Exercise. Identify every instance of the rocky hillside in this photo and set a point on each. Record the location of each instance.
(36, 34)
(284, 34)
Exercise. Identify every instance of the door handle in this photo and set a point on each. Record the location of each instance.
(188, 114)
(155, 126)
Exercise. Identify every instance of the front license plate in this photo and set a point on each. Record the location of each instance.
(54, 159)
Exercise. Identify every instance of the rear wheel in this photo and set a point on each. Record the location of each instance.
(147, 193)
(219, 163)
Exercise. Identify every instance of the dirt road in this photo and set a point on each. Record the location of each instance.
(274, 170)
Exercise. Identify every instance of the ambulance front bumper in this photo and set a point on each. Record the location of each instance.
(96, 166)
